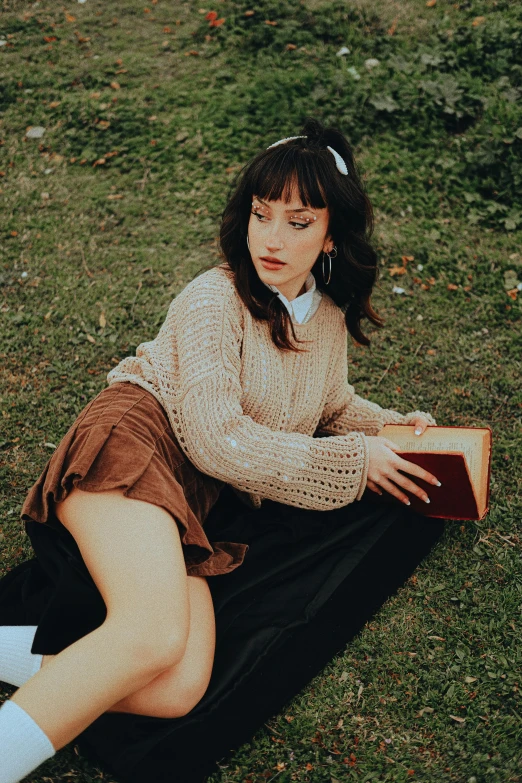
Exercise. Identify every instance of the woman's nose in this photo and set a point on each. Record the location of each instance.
(273, 241)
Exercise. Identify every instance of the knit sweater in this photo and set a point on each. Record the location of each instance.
(249, 413)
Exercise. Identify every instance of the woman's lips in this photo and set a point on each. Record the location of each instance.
(272, 264)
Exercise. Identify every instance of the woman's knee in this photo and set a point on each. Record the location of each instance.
(150, 648)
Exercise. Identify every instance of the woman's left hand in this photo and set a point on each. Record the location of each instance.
(420, 423)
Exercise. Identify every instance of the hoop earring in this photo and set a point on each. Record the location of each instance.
(330, 256)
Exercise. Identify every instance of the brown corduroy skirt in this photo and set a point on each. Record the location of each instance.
(123, 440)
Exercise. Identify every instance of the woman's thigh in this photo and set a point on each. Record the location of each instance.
(133, 552)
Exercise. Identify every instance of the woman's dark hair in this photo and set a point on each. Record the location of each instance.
(271, 175)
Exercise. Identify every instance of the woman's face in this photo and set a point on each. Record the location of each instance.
(290, 233)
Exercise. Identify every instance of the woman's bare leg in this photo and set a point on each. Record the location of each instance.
(177, 690)
(133, 552)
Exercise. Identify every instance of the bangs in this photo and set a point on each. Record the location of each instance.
(281, 170)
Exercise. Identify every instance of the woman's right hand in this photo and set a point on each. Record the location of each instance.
(384, 467)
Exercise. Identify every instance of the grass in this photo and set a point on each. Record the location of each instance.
(109, 215)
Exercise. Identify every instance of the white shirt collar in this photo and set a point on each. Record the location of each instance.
(300, 306)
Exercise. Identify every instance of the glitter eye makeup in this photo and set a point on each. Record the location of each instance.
(298, 220)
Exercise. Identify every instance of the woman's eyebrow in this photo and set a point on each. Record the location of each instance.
(301, 209)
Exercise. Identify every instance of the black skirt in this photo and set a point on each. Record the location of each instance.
(308, 583)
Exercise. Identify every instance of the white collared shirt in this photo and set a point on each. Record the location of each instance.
(303, 307)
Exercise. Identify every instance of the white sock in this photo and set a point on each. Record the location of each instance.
(24, 745)
(17, 662)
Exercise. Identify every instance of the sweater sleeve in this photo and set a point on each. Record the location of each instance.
(288, 467)
(346, 412)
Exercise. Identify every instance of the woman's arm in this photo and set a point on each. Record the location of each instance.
(345, 411)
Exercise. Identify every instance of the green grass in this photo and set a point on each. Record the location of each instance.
(85, 278)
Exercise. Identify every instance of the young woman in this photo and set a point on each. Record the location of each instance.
(245, 385)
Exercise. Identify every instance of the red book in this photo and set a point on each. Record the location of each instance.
(460, 457)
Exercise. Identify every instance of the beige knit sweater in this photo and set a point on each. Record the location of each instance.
(246, 412)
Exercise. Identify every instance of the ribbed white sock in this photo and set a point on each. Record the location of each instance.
(24, 745)
(17, 662)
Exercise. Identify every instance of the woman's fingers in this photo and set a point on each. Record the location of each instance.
(416, 470)
(373, 486)
(391, 445)
(394, 490)
(405, 483)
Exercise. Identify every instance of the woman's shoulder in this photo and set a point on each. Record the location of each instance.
(334, 316)
(213, 290)
(213, 284)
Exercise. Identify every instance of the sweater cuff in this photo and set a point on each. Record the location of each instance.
(364, 474)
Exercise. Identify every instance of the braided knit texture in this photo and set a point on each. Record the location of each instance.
(246, 412)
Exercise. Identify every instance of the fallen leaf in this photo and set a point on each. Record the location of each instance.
(431, 3)
(249, 13)
(211, 16)
(438, 638)
(115, 86)
(49, 38)
(267, 21)
(291, 46)
(405, 259)
(91, 339)
(393, 27)
(397, 270)
(469, 680)
(431, 352)
(104, 124)
(167, 30)
(70, 18)
(478, 20)
(99, 162)
(54, 104)
(191, 51)
(95, 95)
(513, 293)
(452, 287)
(459, 720)
(103, 321)
(115, 196)
(217, 23)
(425, 710)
